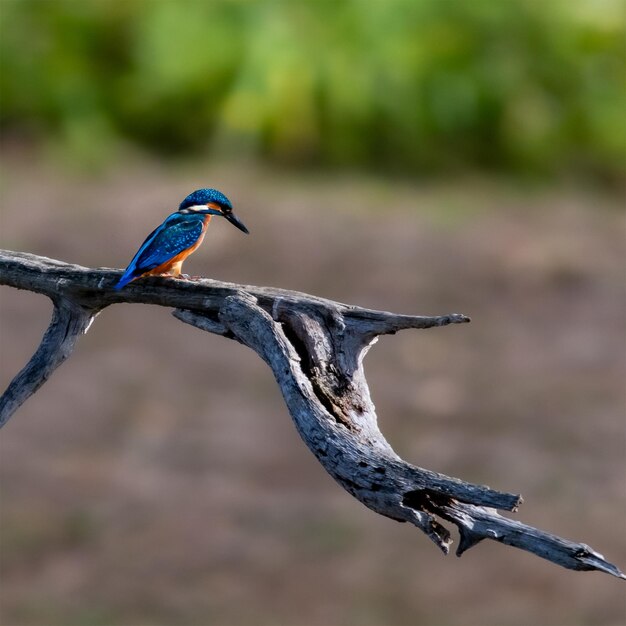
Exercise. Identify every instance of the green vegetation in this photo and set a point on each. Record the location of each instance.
(417, 86)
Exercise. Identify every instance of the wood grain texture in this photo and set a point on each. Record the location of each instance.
(315, 349)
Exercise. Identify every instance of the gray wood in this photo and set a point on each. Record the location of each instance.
(69, 320)
(315, 348)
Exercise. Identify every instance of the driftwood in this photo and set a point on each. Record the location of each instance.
(315, 348)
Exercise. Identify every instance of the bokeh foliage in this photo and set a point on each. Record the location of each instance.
(417, 86)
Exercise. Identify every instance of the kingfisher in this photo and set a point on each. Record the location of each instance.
(167, 246)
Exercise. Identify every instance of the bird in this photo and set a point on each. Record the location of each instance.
(167, 246)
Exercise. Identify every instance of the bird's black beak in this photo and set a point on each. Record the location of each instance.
(235, 221)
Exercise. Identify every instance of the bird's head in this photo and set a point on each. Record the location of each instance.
(211, 202)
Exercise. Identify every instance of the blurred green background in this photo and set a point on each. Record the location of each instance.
(418, 156)
(411, 86)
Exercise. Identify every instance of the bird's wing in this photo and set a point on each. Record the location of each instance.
(176, 234)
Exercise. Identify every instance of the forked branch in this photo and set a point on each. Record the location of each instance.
(315, 348)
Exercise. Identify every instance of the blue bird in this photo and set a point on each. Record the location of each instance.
(167, 246)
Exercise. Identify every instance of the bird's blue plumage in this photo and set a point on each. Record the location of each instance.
(180, 234)
(204, 196)
(177, 233)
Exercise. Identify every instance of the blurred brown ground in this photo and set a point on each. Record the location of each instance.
(157, 477)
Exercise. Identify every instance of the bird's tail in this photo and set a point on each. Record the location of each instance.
(126, 278)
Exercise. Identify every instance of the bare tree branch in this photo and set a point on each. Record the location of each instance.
(315, 348)
(68, 321)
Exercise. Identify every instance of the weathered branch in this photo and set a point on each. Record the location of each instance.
(68, 321)
(315, 348)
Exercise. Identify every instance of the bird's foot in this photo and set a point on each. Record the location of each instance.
(187, 277)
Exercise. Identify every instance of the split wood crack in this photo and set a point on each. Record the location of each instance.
(315, 348)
